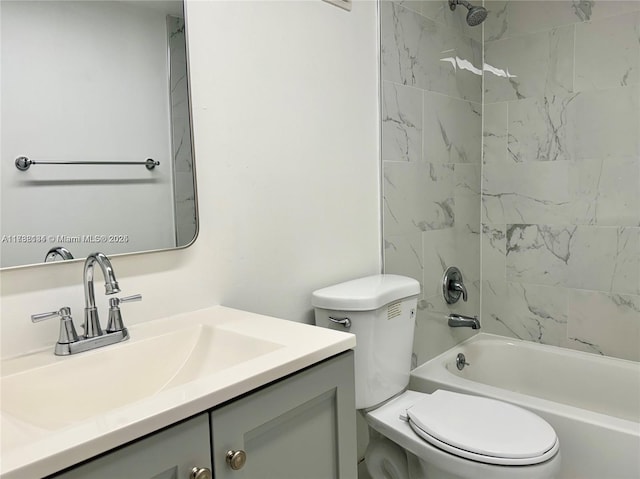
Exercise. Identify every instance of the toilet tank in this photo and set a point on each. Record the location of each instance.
(381, 311)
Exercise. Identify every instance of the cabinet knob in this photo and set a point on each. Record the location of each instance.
(236, 459)
(200, 473)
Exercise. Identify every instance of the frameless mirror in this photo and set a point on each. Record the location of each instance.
(96, 130)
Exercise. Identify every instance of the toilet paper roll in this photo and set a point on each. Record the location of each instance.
(386, 460)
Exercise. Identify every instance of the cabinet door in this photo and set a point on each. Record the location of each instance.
(303, 427)
(169, 454)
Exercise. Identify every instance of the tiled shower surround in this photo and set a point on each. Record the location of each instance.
(184, 189)
(527, 177)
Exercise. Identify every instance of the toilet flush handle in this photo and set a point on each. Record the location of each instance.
(346, 322)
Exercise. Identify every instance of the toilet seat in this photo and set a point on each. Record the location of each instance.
(482, 429)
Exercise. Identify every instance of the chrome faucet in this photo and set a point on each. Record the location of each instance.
(462, 321)
(69, 342)
(91, 322)
(58, 252)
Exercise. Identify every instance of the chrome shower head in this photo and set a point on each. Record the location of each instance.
(476, 15)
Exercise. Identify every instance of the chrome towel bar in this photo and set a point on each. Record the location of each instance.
(23, 163)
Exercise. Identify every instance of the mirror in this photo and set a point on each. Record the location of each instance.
(96, 130)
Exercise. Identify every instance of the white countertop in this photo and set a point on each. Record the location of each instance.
(31, 451)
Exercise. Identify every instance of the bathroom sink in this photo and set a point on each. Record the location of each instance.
(57, 411)
(67, 390)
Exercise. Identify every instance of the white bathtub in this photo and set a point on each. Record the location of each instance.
(592, 402)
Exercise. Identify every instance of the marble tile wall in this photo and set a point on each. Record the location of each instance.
(431, 148)
(561, 174)
(184, 188)
(533, 168)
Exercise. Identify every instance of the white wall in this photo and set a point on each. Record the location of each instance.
(85, 81)
(286, 143)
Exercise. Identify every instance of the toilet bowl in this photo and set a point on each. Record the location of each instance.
(497, 441)
(443, 435)
(384, 458)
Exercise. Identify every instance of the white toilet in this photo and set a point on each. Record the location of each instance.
(418, 435)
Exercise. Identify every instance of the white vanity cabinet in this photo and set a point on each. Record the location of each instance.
(299, 427)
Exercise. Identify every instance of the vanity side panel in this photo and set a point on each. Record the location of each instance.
(300, 427)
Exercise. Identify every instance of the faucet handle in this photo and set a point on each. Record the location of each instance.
(67, 329)
(61, 313)
(127, 299)
(453, 285)
(115, 316)
(459, 286)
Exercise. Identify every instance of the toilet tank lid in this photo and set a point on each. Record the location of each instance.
(364, 294)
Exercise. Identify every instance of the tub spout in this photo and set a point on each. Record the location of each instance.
(460, 321)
